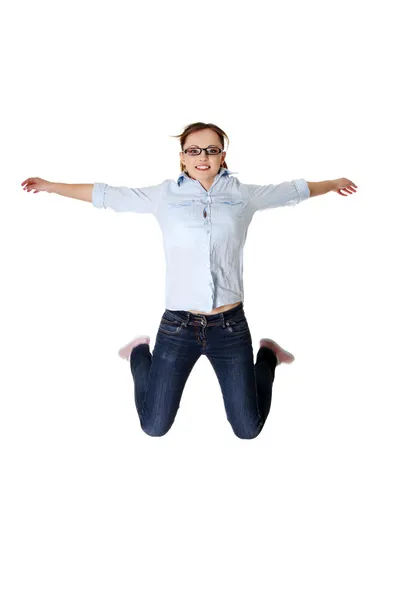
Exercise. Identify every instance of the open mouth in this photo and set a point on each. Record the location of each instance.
(203, 168)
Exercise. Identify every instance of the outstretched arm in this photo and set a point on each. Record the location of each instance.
(80, 191)
(332, 185)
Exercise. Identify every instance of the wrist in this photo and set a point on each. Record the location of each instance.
(50, 188)
(331, 185)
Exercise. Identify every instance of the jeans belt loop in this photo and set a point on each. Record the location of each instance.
(223, 320)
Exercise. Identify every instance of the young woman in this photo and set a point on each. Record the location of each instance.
(204, 216)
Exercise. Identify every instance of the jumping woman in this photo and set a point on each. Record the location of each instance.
(204, 216)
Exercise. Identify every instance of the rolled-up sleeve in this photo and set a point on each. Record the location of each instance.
(126, 199)
(287, 193)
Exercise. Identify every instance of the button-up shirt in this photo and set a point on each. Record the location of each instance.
(204, 232)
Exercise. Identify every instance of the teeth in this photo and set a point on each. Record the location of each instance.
(202, 168)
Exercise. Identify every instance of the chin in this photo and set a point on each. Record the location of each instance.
(209, 172)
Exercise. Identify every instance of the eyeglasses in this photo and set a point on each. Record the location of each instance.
(196, 151)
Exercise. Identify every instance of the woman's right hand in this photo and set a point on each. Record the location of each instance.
(37, 184)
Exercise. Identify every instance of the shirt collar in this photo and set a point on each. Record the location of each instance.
(222, 173)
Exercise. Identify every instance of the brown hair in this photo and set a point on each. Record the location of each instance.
(197, 127)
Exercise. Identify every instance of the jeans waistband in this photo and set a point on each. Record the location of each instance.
(216, 319)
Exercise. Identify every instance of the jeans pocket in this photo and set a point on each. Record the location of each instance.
(169, 326)
(238, 326)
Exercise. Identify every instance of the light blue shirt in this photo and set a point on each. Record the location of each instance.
(204, 232)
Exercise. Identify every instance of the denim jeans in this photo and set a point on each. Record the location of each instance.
(182, 337)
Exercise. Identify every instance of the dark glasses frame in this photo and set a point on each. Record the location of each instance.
(199, 151)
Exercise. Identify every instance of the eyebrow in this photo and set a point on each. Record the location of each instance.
(209, 146)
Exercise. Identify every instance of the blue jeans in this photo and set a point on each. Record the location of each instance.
(225, 339)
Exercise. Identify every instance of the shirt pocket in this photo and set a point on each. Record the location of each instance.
(183, 208)
(229, 208)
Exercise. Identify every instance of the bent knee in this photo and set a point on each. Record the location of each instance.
(247, 433)
(155, 429)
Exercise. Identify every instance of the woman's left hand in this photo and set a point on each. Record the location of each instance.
(345, 185)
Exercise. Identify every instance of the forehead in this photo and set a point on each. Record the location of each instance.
(203, 138)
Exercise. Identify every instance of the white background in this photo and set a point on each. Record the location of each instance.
(92, 507)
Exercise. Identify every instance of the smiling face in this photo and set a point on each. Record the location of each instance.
(206, 138)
